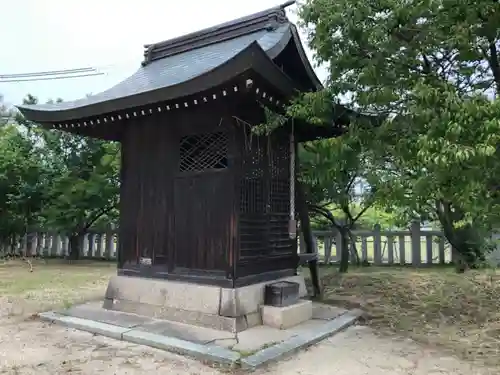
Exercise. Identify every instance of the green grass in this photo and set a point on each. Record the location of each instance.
(458, 312)
(52, 284)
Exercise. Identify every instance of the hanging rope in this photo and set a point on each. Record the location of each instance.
(292, 176)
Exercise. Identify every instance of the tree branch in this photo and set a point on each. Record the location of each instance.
(444, 217)
(365, 208)
(325, 213)
(98, 214)
(494, 63)
(350, 183)
(345, 209)
(427, 64)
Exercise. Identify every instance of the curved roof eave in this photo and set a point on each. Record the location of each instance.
(303, 57)
(206, 80)
(253, 57)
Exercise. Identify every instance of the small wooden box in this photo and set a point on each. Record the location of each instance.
(281, 293)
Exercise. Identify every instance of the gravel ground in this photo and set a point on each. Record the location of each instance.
(34, 347)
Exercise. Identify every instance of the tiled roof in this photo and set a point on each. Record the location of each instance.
(174, 70)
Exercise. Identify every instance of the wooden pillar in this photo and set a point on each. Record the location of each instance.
(305, 225)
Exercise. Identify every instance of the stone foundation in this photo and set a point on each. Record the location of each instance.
(225, 309)
(287, 316)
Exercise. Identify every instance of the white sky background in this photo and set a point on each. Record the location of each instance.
(107, 34)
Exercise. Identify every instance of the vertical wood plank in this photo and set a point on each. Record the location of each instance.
(91, 249)
(338, 246)
(99, 250)
(328, 248)
(24, 244)
(441, 250)
(390, 249)
(32, 239)
(416, 251)
(428, 245)
(108, 250)
(302, 244)
(454, 255)
(65, 244)
(315, 244)
(114, 254)
(103, 245)
(56, 244)
(377, 248)
(49, 240)
(82, 245)
(402, 250)
(352, 247)
(364, 249)
(39, 244)
(85, 245)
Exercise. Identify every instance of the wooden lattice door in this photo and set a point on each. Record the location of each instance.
(203, 203)
(265, 198)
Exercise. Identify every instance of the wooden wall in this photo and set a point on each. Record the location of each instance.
(214, 226)
(265, 248)
(149, 158)
(162, 204)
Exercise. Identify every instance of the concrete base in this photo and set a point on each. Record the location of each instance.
(249, 349)
(288, 316)
(232, 310)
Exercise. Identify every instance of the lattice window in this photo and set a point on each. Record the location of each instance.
(203, 152)
(254, 161)
(280, 158)
(280, 196)
(252, 196)
(280, 176)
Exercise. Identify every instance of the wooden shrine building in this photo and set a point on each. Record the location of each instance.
(203, 199)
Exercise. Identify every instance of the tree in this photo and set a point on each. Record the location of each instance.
(332, 171)
(83, 175)
(23, 179)
(5, 112)
(432, 67)
(85, 185)
(23, 183)
(54, 181)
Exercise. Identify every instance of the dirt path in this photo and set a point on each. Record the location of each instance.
(33, 347)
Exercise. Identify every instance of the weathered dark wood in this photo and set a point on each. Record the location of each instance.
(161, 205)
(265, 20)
(308, 237)
(216, 279)
(203, 205)
(264, 205)
(281, 293)
(221, 223)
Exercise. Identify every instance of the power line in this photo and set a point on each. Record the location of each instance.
(47, 73)
(61, 74)
(88, 69)
(42, 78)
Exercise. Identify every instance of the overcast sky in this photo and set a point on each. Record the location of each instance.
(108, 34)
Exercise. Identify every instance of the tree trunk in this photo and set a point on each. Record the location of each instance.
(466, 241)
(305, 225)
(345, 253)
(75, 248)
(353, 248)
(28, 251)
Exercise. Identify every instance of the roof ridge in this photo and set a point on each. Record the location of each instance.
(268, 19)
